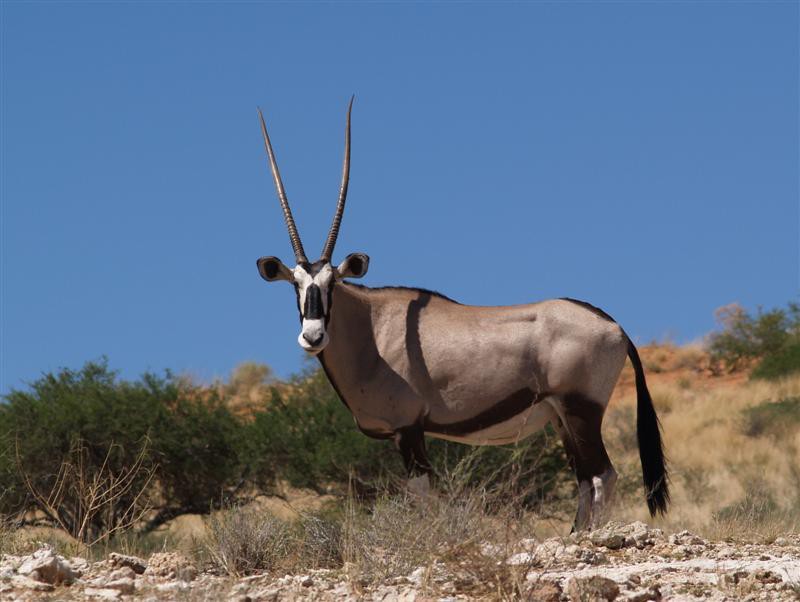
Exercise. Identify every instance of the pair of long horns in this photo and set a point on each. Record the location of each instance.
(333, 233)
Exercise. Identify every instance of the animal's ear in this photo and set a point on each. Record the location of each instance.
(272, 268)
(354, 265)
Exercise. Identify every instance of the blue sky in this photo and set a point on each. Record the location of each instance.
(641, 156)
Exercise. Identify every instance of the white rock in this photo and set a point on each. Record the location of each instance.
(608, 538)
(640, 535)
(102, 593)
(124, 585)
(46, 566)
(520, 558)
(592, 588)
(174, 586)
(125, 572)
(417, 575)
(121, 560)
(28, 583)
(686, 538)
(549, 551)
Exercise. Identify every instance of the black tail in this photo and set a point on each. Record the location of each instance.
(648, 433)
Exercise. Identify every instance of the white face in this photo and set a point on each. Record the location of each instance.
(313, 285)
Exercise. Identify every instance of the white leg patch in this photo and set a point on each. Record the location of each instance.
(603, 493)
(599, 499)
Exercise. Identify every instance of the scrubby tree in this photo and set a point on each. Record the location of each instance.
(771, 339)
(185, 445)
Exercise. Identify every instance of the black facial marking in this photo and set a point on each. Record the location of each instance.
(313, 309)
(503, 410)
(330, 303)
(297, 297)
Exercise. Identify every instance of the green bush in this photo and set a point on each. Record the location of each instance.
(191, 445)
(200, 452)
(772, 338)
(784, 361)
(308, 437)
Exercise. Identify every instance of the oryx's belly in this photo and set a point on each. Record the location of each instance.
(509, 430)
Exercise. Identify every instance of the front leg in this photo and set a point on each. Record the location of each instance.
(410, 441)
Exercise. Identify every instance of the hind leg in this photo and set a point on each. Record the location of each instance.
(579, 424)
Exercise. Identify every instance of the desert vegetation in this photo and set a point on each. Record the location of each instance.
(258, 477)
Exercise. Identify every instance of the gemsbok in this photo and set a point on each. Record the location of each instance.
(409, 362)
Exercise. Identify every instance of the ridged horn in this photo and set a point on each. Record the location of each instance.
(327, 252)
(299, 253)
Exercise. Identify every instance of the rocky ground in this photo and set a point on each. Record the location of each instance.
(618, 562)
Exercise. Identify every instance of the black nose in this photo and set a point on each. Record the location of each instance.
(313, 342)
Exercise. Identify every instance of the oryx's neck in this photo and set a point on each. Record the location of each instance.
(351, 335)
(350, 319)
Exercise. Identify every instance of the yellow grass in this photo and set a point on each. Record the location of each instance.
(724, 482)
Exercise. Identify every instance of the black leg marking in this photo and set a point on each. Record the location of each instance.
(411, 441)
(583, 442)
(582, 438)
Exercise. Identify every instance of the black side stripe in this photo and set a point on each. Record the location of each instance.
(503, 410)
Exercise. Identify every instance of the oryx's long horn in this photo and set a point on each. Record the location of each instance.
(327, 252)
(287, 212)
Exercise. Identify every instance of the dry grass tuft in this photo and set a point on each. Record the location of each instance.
(466, 529)
(242, 540)
(734, 453)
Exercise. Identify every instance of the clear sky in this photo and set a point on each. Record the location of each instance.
(641, 156)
